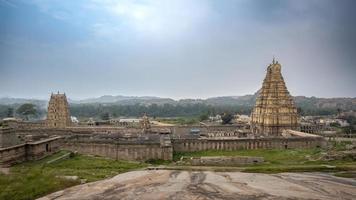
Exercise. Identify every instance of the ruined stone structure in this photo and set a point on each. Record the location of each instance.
(29, 151)
(274, 110)
(138, 149)
(140, 146)
(58, 112)
(8, 138)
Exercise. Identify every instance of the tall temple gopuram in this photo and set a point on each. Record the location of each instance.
(274, 110)
(58, 111)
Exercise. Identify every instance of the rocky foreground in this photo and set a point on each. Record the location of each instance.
(165, 184)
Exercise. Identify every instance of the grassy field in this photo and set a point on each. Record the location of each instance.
(31, 180)
(291, 160)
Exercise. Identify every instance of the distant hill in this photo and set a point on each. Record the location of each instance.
(325, 103)
(11, 101)
(116, 99)
(148, 100)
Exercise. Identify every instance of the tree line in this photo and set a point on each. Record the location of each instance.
(154, 110)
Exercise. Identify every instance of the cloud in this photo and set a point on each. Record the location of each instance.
(157, 18)
(101, 30)
(178, 48)
(8, 3)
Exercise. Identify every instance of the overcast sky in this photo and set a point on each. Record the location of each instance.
(177, 49)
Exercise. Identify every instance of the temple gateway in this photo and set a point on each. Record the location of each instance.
(275, 110)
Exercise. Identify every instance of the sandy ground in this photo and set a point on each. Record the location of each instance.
(165, 184)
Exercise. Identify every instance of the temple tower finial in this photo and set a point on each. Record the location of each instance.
(274, 60)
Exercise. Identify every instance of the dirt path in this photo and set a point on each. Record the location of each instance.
(166, 184)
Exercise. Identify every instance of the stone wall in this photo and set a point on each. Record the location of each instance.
(12, 155)
(78, 130)
(40, 149)
(121, 151)
(191, 145)
(105, 142)
(25, 125)
(184, 130)
(8, 138)
(29, 151)
(23, 129)
(238, 130)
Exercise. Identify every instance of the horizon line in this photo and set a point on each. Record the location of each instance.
(163, 97)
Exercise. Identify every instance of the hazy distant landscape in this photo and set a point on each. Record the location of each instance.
(127, 106)
(177, 99)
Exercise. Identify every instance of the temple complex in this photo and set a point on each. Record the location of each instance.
(58, 111)
(274, 120)
(275, 110)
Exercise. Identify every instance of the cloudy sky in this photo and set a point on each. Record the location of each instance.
(177, 49)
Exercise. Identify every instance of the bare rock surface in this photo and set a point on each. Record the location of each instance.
(166, 184)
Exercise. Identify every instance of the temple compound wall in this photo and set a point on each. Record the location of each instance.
(192, 145)
(150, 149)
(8, 138)
(120, 151)
(29, 151)
(140, 150)
(204, 130)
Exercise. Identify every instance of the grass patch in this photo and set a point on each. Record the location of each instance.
(31, 180)
(340, 145)
(351, 174)
(299, 168)
(277, 160)
(272, 156)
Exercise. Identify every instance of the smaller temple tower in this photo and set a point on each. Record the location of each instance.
(58, 115)
(145, 123)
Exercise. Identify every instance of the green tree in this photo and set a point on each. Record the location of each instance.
(300, 111)
(351, 120)
(334, 124)
(203, 117)
(339, 110)
(226, 118)
(105, 116)
(26, 110)
(10, 112)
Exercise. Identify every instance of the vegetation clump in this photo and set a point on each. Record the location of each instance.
(290, 160)
(31, 180)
